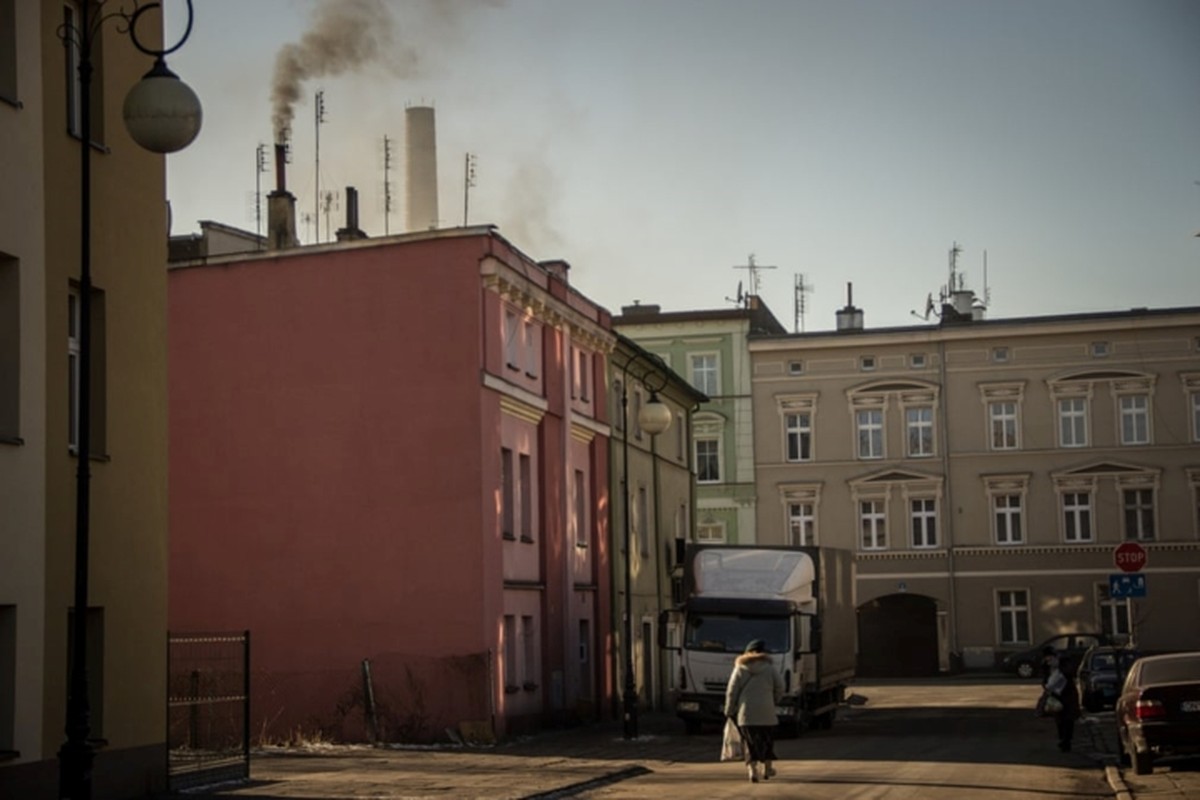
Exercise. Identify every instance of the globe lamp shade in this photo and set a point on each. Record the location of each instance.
(654, 417)
(162, 113)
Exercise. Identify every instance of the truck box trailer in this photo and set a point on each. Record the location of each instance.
(799, 600)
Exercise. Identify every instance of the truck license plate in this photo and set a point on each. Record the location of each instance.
(688, 705)
(1190, 705)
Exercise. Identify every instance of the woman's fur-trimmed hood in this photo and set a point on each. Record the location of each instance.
(749, 659)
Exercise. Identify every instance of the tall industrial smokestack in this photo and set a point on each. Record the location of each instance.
(421, 193)
(281, 206)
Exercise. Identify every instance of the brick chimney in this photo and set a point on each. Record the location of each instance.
(351, 231)
(281, 207)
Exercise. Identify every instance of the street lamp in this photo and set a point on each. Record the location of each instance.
(654, 417)
(162, 114)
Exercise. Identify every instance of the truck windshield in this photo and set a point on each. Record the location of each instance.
(731, 633)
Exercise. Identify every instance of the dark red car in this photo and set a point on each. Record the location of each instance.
(1158, 710)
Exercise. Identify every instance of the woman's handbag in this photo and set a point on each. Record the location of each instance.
(1049, 705)
(731, 744)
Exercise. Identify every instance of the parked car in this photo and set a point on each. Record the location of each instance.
(1158, 710)
(1100, 674)
(1027, 663)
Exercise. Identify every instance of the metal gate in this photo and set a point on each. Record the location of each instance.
(208, 709)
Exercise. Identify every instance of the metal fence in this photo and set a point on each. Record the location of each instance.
(208, 709)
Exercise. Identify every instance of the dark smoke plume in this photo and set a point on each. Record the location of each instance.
(345, 36)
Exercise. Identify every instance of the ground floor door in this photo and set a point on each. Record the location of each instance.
(898, 637)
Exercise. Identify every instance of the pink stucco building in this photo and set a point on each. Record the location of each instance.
(393, 449)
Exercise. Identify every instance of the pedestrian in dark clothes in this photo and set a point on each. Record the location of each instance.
(1061, 684)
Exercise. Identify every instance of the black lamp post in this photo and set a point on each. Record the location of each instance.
(162, 114)
(654, 418)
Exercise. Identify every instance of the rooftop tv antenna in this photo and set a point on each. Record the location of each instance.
(319, 116)
(802, 289)
(260, 166)
(387, 184)
(754, 269)
(468, 183)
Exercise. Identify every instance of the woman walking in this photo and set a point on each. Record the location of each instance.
(750, 698)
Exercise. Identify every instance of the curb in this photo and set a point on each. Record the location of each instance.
(595, 783)
(1117, 783)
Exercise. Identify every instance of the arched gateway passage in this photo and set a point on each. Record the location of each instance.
(897, 637)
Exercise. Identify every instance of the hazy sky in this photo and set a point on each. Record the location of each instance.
(655, 144)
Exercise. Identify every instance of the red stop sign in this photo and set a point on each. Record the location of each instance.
(1129, 556)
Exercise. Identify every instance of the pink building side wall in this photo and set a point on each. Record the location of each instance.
(327, 488)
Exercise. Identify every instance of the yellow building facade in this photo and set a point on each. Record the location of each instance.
(40, 256)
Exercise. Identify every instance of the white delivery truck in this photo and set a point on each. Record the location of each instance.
(799, 600)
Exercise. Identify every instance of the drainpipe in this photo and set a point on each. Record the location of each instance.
(950, 510)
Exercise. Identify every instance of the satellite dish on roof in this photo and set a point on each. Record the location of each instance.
(740, 296)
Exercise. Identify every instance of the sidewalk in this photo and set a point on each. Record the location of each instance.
(552, 764)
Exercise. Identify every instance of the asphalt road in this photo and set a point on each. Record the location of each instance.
(901, 740)
(916, 740)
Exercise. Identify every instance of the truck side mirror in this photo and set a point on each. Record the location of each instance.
(664, 641)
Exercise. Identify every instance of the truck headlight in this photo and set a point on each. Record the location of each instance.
(785, 711)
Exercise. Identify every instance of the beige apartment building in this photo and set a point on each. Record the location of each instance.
(39, 269)
(655, 492)
(984, 471)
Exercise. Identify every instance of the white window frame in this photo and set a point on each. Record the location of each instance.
(923, 522)
(802, 524)
(508, 500)
(872, 523)
(511, 667)
(1003, 425)
(1077, 507)
(715, 441)
(869, 433)
(711, 531)
(680, 438)
(1112, 612)
(1013, 604)
(800, 503)
(71, 23)
(525, 491)
(922, 426)
(1195, 396)
(642, 519)
(797, 430)
(704, 373)
(619, 397)
(582, 503)
(1005, 514)
(1011, 509)
(512, 339)
(1073, 421)
(794, 411)
(532, 357)
(1139, 519)
(1134, 413)
(635, 415)
(1002, 403)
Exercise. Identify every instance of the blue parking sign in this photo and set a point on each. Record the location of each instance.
(1127, 584)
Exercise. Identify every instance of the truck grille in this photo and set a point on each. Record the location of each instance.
(714, 686)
